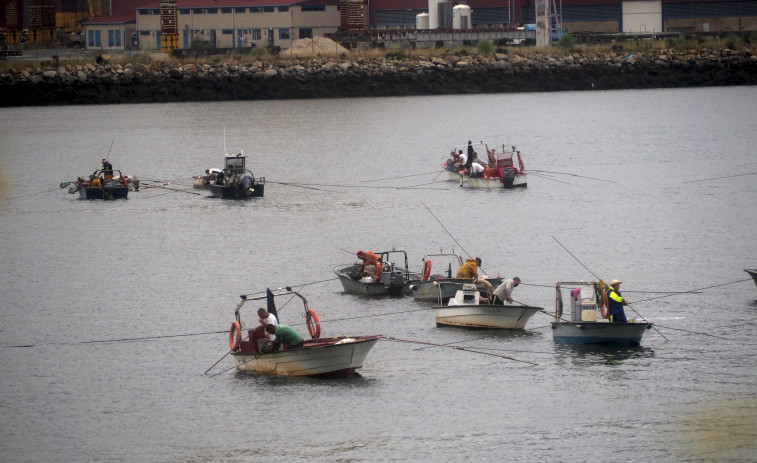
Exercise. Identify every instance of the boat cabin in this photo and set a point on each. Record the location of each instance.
(234, 164)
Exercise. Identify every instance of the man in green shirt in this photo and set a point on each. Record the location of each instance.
(285, 334)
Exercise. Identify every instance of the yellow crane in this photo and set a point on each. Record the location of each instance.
(95, 9)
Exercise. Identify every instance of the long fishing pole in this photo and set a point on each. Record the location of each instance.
(595, 276)
(696, 332)
(547, 178)
(445, 229)
(111, 147)
(466, 349)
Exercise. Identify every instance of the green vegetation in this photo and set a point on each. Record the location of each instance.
(259, 53)
(566, 42)
(199, 43)
(396, 53)
(484, 47)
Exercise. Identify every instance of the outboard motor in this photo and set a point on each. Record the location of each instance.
(396, 282)
(508, 177)
(244, 184)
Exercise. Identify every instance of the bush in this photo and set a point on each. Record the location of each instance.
(259, 53)
(199, 43)
(484, 47)
(566, 42)
(396, 53)
(677, 42)
(732, 41)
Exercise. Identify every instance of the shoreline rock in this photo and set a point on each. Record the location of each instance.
(162, 81)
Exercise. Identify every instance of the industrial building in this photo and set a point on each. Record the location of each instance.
(169, 24)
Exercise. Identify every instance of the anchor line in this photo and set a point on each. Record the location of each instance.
(695, 291)
(410, 341)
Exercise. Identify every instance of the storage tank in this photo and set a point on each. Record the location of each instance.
(461, 17)
(433, 13)
(421, 21)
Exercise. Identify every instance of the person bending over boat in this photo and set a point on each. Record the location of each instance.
(371, 264)
(266, 319)
(285, 334)
(476, 170)
(469, 269)
(505, 290)
(615, 303)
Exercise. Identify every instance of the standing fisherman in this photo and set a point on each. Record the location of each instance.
(616, 302)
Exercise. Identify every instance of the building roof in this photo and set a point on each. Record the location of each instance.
(125, 18)
(237, 3)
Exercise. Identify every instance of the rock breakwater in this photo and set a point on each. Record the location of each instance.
(175, 81)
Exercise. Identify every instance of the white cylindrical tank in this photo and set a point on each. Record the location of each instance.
(433, 13)
(461, 17)
(421, 21)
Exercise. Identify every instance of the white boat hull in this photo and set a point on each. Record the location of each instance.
(520, 181)
(599, 332)
(316, 358)
(508, 317)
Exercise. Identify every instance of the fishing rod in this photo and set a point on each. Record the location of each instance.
(574, 175)
(296, 185)
(174, 189)
(718, 178)
(466, 349)
(696, 332)
(595, 276)
(445, 229)
(111, 147)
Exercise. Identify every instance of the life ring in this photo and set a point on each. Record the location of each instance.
(426, 270)
(235, 335)
(314, 325)
(377, 272)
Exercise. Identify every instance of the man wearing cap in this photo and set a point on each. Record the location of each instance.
(615, 303)
(469, 269)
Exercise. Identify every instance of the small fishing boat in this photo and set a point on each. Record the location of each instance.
(389, 278)
(586, 299)
(337, 356)
(752, 273)
(111, 184)
(468, 310)
(500, 170)
(236, 181)
(440, 287)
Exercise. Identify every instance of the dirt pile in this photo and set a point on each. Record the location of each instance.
(318, 46)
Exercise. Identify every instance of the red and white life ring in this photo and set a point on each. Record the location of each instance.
(426, 270)
(235, 335)
(314, 325)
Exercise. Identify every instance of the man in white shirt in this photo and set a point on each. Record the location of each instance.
(266, 318)
(505, 290)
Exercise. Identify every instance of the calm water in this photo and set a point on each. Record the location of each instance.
(170, 266)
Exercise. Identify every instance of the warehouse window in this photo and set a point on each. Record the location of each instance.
(256, 35)
(313, 7)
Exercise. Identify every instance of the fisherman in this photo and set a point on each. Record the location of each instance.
(505, 290)
(285, 334)
(371, 263)
(266, 318)
(615, 303)
(469, 269)
(476, 170)
(107, 169)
